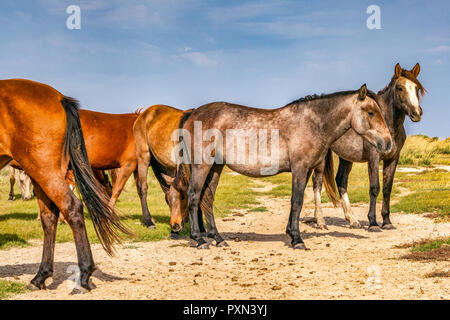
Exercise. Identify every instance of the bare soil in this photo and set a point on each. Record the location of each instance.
(341, 263)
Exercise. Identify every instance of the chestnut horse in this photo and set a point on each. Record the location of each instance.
(110, 145)
(40, 129)
(153, 131)
(398, 99)
(301, 135)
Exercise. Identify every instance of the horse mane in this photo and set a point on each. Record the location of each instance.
(314, 97)
(138, 110)
(408, 75)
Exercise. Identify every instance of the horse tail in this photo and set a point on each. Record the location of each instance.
(329, 182)
(159, 170)
(183, 174)
(105, 219)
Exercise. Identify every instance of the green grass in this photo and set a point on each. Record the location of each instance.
(8, 288)
(18, 222)
(430, 245)
(425, 151)
(431, 193)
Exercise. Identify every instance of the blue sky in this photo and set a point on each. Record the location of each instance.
(259, 53)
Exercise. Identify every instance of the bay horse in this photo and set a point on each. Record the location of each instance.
(24, 182)
(301, 135)
(153, 130)
(400, 98)
(110, 145)
(40, 129)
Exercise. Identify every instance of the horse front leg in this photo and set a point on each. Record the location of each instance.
(373, 165)
(198, 177)
(12, 181)
(389, 167)
(300, 178)
(207, 204)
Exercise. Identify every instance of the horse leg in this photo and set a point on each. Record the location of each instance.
(12, 181)
(389, 167)
(342, 182)
(198, 176)
(209, 192)
(143, 162)
(49, 218)
(317, 187)
(122, 178)
(374, 163)
(300, 177)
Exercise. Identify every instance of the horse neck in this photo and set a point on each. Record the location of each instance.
(393, 115)
(335, 119)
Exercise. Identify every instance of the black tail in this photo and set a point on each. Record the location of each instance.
(106, 221)
(159, 170)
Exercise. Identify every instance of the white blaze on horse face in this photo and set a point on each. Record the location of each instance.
(412, 93)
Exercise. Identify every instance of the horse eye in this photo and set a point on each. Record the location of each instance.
(371, 113)
(399, 88)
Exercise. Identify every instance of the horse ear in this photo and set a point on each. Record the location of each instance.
(362, 92)
(415, 71)
(398, 70)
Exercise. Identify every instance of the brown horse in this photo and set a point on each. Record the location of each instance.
(152, 132)
(398, 99)
(110, 145)
(40, 129)
(301, 134)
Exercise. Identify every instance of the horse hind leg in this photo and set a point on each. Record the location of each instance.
(57, 190)
(342, 182)
(317, 187)
(49, 218)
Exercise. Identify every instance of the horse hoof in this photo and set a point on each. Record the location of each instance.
(31, 286)
(222, 244)
(322, 226)
(84, 289)
(374, 229)
(388, 227)
(299, 246)
(152, 227)
(355, 225)
(203, 246)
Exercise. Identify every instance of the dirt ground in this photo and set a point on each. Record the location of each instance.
(341, 263)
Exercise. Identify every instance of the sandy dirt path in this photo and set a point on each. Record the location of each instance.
(341, 263)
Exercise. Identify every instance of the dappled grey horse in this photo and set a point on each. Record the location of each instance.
(399, 98)
(304, 130)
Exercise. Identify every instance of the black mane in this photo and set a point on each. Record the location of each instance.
(313, 97)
